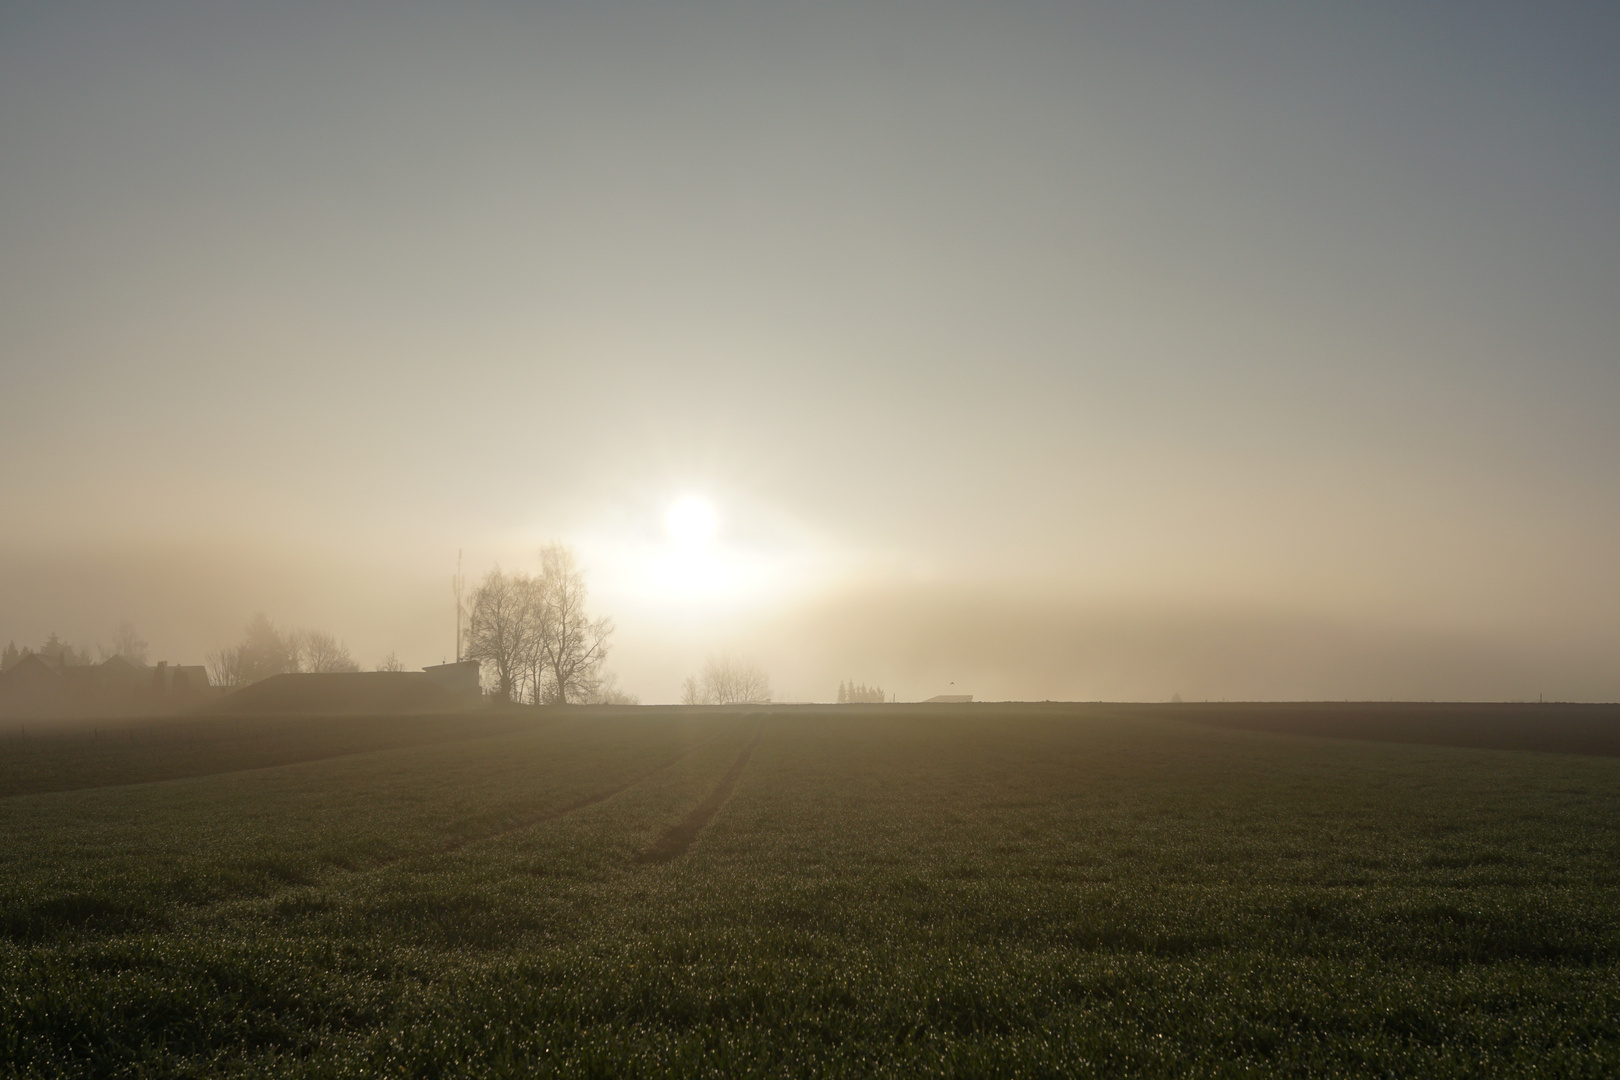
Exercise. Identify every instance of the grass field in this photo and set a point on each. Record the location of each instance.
(864, 891)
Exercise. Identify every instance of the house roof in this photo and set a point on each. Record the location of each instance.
(33, 670)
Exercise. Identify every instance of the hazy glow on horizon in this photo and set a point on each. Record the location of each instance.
(697, 571)
(1102, 352)
(691, 522)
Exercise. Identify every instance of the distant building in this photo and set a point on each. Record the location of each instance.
(178, 678)
(37, 685)
(31, 678)
(460, 678)
(949, 699)
(442, 688)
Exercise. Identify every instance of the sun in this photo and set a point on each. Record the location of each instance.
(691, 522)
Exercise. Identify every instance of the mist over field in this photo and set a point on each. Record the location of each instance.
(1110, 352)
(999, 640)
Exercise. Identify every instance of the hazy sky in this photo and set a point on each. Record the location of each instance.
(1237, 350)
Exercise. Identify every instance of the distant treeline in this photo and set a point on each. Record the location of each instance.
(58, 653)
(264, 650)
(529, 632)
(853, 693)
(727, 680)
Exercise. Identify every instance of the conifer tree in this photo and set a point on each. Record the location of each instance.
(62, 654)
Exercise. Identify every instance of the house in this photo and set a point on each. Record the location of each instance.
(37, 686)
(32, 682)
(175, 679)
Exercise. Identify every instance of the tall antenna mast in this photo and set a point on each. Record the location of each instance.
(457, 585)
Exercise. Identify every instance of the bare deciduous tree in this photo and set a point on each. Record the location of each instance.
(535, 637)
(390, 663)
(319, 651)
(726, 680)
(264, 651)
(225, 666)
(129, 644)
(572, 644)
(500, 629)
(534, 688)
(607, 692)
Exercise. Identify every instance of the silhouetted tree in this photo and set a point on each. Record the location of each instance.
(10, 656)
(320, 651)
(264, 651)
(60, 654)
(129, 644)
(390, 663)
(224, 666)
(725, 680)
(500, 629)
(859, 693)
(572, 644)
(535, 636)
(607, 692)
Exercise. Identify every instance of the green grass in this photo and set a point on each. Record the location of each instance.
(888, 891)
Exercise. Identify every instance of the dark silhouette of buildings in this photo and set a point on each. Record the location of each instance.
(40, 685)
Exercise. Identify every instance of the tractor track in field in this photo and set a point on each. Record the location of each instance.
(512, 825)
(532, 820)
(677, 839)
(350, 874)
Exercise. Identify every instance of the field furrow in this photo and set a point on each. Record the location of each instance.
(678, 838)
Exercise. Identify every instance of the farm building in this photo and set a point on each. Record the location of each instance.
(441, 688)
(460, 678)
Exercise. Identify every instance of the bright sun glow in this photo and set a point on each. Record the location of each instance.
(691, 522)
(696, 562)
